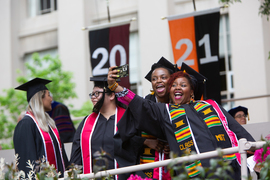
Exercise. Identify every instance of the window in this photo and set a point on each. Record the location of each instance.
(226, 73)
(39, 7)
(47, 6)
(134, 63)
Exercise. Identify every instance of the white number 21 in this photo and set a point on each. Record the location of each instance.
(207, 49)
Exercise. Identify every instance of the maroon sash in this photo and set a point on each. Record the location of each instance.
(48, 143)
(86, 135)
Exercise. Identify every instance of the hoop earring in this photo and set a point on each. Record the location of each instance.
(152, 91)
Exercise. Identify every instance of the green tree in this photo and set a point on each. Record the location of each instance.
(14, 102)
(264, 9)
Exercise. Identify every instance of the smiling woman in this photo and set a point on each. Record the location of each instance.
(181, 89)
(147, 147)
(158, 76)
(36, 135)
(95, 133)
(187, 125)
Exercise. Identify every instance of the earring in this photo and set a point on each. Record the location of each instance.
(192, 98)
(152, 91)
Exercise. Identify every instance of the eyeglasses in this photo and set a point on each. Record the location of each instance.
(240, 116)
(96, 94)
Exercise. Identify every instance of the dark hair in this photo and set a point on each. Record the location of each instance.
(179, 74)
(99, 104)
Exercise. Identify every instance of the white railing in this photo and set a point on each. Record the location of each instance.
(243, 147)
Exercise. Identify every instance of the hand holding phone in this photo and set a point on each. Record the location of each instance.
(123, 70)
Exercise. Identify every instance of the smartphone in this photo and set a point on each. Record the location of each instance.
(123, 70)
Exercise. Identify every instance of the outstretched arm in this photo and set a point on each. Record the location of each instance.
(112, 76)
(123, 95)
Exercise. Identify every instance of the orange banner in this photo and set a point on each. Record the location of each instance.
(182, 32)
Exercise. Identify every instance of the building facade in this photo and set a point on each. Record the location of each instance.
(55, 27)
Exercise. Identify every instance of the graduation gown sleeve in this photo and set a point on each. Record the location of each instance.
(27, 143)
(64, 124)
(76, 153)
(144, 115)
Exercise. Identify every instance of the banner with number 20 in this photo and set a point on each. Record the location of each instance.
(109, 47)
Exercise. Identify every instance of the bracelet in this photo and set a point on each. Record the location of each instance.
(122, 93)
(113, 86)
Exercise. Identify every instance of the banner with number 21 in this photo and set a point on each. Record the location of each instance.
(195, 41)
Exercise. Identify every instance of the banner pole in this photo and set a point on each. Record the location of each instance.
(106, 25)
(194, 6)
(108, 11)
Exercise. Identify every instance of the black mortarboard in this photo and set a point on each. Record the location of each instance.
(233, 111)
(33, 86)
(162, 63)
(99, 81)
(198, 81)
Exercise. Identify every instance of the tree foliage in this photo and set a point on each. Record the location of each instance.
(14, 102)
(264, 9)
(51, 68)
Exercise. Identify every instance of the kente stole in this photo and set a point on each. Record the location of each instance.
(48, 143)
(185, 138)
(231, 134)
(150, 155)
(86, 135)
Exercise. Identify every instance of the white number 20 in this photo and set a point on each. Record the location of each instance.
(207, 49)
(98, 70)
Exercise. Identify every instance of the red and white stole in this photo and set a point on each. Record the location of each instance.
(48, 143)
(86, 136)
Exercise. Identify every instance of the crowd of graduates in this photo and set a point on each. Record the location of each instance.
(129, 128)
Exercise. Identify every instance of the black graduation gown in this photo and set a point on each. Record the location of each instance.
(102, 137)
(65, 126)
(153, 118)
(127, 153)
(28, 144)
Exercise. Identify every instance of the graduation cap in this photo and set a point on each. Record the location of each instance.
(101, 82)
(164, 63)
(198, 81)
(233, 111)
(33, 86)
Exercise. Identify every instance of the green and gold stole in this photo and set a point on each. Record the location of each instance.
(185, 138)
(215, 125)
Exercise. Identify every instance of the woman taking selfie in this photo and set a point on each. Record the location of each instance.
(186, 124)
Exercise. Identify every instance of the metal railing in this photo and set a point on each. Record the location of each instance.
(243, 147)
